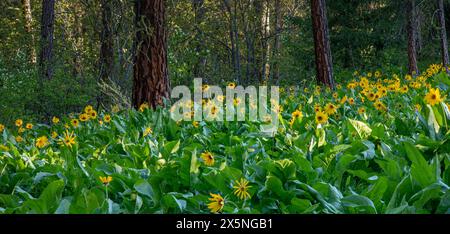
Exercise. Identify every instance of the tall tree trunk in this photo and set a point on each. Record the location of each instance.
(106, 46)
(77, 39)
(107, 43)
(444, 43)
(265, 40)
(412, 37)
(277, 43)
(151, 82)
(324, 63)
(234, 36)
(26, 7)
(47, 28)
(200, 64)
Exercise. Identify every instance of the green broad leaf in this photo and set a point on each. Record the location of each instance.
(444, 204)
(439, 115)
(172, 147)
(442, 78)
(48, 201)
(64, 206)
(195, 164)
(311, 99)
(118, 126)
(378, 131)
(81, 166)
(275, 185)
(143, 188)
(299, 206)
(446, 111)
(377, 191)
(321, 137)
(421, 198)
(343, 164)
(172, 202)
(420, 170)
(362, 129)
(360, 204)
(40, 176)
(433, 125)
(138, 205)
(113, 208)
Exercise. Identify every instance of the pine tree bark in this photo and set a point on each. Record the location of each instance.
(266, 47)
(324, 63)
(412, 37)
(200, 64)
(26, 8)
(78, 39)
(277, 43)
(107, 43)
(234, 37)
(47, 28)
(443, 32)
(151, 82)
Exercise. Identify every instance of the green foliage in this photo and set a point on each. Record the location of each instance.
(376, 162)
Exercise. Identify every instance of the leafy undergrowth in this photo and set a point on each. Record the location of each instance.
(379, 144)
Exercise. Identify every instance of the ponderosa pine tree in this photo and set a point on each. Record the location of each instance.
(443, 36)
(150, 81)
(47, 29)
(28, 17)
(412, 36)
(324, 62)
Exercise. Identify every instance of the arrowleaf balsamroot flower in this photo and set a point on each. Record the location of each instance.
(143, 106)
(231, 85)
(433, 97)
(362, 110)
(75, 122)
(19, 139)
(147, 131)
(217, 203)
(297, 114)
(241, 189)
(107, 118)
(105, 180)
(88, 108)
(321, 117)
(208, 158)
(68, 140)
(84, 117)
(330, 108)
(93, 114)
(41, 142)
(55, 120)
(19, 122)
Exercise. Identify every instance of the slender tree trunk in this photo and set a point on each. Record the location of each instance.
(107, 43)
(106, 46)
(151, 82)
(26, 7)
(324, 63)
(234, 36)
(236, 39)
(47, 28)
(259, 47)
(78, 43)
(200, 64)
(277, 43)
(412, 37)
(444, 43)
(265, 40)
